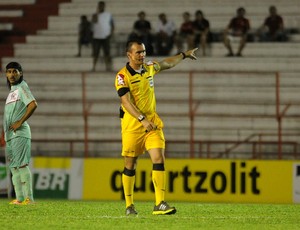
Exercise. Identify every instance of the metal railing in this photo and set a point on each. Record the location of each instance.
(195, 147)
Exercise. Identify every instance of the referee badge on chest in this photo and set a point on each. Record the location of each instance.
(151, 82)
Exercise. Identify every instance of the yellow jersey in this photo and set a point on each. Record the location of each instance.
(142, 95)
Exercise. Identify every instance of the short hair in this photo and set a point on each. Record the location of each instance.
(101, 3)
(141, 13)
(272, 8)
(161, 15)
(131, 42)
(199, 12)
(241, 9)
(187, 13)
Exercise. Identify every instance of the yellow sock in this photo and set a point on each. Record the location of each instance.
(128, 186)
(159, 182)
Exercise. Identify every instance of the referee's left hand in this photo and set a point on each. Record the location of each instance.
(191, 54)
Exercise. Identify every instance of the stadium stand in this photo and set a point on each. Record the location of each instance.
(235, 97)
(19, 18)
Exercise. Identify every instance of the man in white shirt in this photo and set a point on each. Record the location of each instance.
(103, 28)
(166, 32)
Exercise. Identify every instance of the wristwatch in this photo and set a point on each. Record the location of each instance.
(141, 117)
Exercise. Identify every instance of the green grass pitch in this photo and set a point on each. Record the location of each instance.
(64, 214)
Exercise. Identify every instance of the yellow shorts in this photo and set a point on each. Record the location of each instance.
(135, 144)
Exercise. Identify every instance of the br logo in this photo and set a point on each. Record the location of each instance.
(54, 184)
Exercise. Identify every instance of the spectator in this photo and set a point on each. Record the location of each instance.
(201, 30)
(166, 32)
(238, 27)
(186, 33)
(103, 28)
(142, 32)
(273, 27)
(84, 33)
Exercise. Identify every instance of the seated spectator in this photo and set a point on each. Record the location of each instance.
(201, 30)
(186, 33)
(165, 36)
(84, 33)
(273, 28)
(142, 32)
(238, 27)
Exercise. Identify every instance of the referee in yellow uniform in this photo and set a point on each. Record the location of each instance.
(141, 126)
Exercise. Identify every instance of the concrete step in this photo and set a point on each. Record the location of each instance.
(124, 23)
(6, 26)
(220, 108)
(153, 7)
(11, 13)
(175, 129)
(49, 64)
(17, 2)
(59, 50)
(171, 122)
(52, 39)
(248, 64)
(256, 49)
(294, 37)
(167, 78)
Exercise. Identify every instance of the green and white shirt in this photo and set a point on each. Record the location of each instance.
(15, 107)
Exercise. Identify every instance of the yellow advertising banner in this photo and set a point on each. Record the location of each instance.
(248, 181)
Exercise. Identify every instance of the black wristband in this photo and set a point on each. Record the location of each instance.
(183, 54)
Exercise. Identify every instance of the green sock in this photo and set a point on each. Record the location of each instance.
(25, 175)
(16, 180)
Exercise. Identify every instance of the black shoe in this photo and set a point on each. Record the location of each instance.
(239, 55)
(130, 210)
(163, 209)
(230, 55)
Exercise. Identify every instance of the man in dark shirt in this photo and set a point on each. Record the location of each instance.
(85, 33)
(273, 27)
(142, 32)
(238, 27)
(201, 30)
(186, 33)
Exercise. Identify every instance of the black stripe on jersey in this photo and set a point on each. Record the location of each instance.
(123, 91)
(135, 81)
(149, 77)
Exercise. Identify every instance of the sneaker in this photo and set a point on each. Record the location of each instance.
(130, 210)
(27, 201)
(16, 202)
(163, 209)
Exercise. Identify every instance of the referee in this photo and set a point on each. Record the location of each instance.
(20, 105)
(141, 126)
